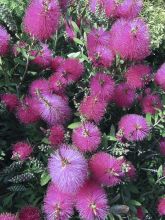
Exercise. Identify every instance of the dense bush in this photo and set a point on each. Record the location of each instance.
(82, 109)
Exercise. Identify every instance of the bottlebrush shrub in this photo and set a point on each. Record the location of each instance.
(81, 111)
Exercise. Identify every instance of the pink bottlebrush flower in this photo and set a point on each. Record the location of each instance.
(71, 70)
(11, 101)
(19, 45)
(102, 56)
(43, 56)
(68, 169)
(56, 136)
(109, 6)
(124, 96)
(93, 108)
(106, 169)
(161, 207)
(4, 41)
(151, 103)
(103, 85)
(53, 109)
(39, 86)
(57, 63)
(97, 38)
(41, 19)
(21, 150)
(26, 113)
(87, 137)
(128, 169)
(160, 77)
(57, 83)
(92, 202)
(8, 216)
(138, 76)
(134, 127)
(129, 8)
(162, 146)
(58, 205)
(130, 39)
(140, 213)
(69, 29)
(29, 213)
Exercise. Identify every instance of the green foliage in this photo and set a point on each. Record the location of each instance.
(154, 14)
(16, 7)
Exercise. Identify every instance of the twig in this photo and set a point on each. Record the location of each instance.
(25, 72)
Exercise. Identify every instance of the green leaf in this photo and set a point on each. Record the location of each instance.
(75, 27)
(74, 125)
(44, 179)
(45, 141)
(104, 142)
(134, 203)
(148, 118)
(112, 131)
(119, 209)
(23, 51)
(74, 55)
(78, 41)
(110, 217)
(160, 171)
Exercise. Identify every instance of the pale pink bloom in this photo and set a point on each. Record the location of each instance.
(68, 169)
